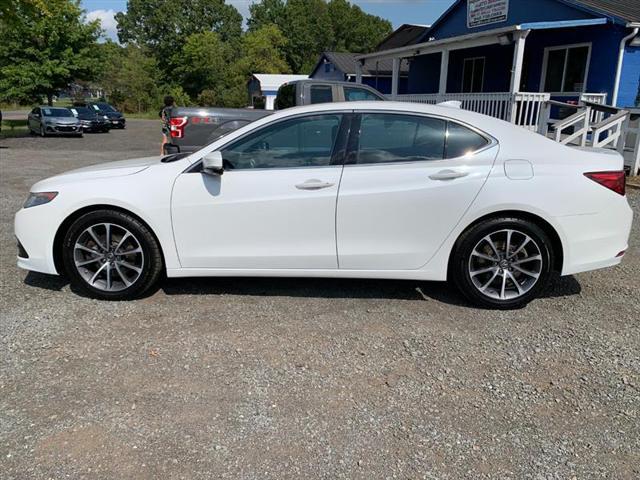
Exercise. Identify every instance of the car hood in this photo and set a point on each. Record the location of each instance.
(113, 114)
(91, 117)
(62, 120)
(102, 170)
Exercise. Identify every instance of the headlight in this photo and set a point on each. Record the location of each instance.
(39, 198)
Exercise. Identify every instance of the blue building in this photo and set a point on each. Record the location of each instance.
(481, 49)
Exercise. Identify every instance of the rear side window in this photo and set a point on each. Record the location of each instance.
(286, 97)
(321, 94)
(352, 94)
(463, 141)
(386, 138)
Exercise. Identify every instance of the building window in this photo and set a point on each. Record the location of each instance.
(565, 69)
(472, 74)
(328, 67)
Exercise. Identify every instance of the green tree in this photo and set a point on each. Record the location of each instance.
(354, 30)
(12, 11)
(203, 64)
(163, 26)
(130, 77)
(314, 26)
(266, 12)
(41, 52)
(262, 52)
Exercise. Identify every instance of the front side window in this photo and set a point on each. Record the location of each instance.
(354, 94)
(388, 138)
(299, 142)
(566, 69)
(321, 94)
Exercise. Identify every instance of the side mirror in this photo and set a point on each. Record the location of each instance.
(212, 163)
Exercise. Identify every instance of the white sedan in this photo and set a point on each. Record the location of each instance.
(354, 190)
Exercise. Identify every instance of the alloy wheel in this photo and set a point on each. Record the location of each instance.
(108, 257)
(505, 264)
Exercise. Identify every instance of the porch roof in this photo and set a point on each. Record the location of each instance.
(477, 39)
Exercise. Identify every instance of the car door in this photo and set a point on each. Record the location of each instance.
(274, 206)
(33, 119)
(407, 181)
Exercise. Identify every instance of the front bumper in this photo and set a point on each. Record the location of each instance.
(117, 122)
(56, 129)
(96, 126)
(35, 230)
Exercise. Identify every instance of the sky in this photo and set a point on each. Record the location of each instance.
(422, 12)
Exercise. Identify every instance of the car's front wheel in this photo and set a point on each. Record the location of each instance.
(111, 255)
(502, 263)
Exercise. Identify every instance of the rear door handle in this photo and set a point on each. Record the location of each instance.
(448, 175)
(314, 184)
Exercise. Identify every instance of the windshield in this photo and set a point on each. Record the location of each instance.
(82, 111)
(57, 112)
(105, 107)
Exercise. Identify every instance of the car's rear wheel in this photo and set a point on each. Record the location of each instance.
(502, 263)
(111, 255)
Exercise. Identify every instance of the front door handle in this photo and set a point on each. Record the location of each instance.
(314, 184)
(448, 175)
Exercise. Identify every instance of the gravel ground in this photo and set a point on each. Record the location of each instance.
(294, 378)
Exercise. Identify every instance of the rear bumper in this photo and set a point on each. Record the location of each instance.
(595, 241)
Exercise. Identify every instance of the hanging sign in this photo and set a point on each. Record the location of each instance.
(485, 12)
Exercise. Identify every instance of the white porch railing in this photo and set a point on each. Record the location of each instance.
(520, 108)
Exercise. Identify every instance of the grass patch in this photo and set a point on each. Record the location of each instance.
(143, 115)
(14, 128)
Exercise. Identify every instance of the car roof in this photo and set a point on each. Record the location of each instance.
(465, 116)
(316, 81)
(505, 133)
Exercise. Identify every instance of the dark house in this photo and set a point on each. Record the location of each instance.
(406, 34)
(375, 73)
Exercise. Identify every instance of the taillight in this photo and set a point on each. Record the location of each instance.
(612, 180)
(176, 125)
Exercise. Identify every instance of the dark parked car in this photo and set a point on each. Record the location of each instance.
(115, 117)
(91, 120)
(53, 121)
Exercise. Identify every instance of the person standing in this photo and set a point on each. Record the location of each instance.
(165, 116)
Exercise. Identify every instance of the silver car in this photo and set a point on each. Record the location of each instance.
(53, 121)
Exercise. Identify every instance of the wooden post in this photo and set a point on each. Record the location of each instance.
(444, 72)
(395, 74)
(622, 140)
(358, 71)
(518, 58)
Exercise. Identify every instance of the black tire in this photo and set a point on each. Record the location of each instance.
(152, 264)
(460, 265)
